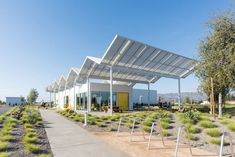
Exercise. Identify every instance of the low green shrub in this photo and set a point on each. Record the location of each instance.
(100, 124)
(147, 123)
(128, 125)
(7, 138)
(114, 117)
(165, 133)
(192, 129)
(213, 133)
(4, 154)
(225, 122)
(192, 137)
(28, 139)
(32, 148)
(112, 129)
(215, 141)
(31, 134)
(207, 124)
(165, 125)
(2, 118)
(231, 127)
(4, 146)
(147, 129)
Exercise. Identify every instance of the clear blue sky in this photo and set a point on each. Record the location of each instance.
(41, 40)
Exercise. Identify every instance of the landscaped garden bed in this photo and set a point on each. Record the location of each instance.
(22, 134)
(200, 130)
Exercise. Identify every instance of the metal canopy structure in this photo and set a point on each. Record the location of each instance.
(128, 61)
(132, 62)
(62, 83)
(72, 77)
(135, 62)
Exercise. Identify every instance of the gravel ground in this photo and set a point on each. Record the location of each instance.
(201, 143)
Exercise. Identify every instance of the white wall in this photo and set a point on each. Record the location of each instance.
(134, 94)
(13, 101)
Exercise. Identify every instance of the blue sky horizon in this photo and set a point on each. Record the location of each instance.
(42, 40)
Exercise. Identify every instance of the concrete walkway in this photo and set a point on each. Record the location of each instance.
(67, 139)
(4, 109)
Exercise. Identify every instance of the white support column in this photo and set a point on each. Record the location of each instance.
(54, 98)
(148, 95)
(88, 95)
(50, 97)
(64, 95)
(74, 96)
(179, 93)
(111, 90)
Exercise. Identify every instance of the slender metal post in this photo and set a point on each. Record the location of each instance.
(111, 90)
(222, 144)
(119, 125)
(150, 136)
(148, 96)
(85, 118)
(132, 130)
(178, 140)
(179, 92)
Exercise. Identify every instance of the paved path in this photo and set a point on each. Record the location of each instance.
(67, 139)
(3, 109)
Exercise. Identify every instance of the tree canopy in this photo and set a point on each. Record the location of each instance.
(32, 97)
(217, 56)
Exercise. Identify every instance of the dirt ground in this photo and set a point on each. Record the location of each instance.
(139, 144)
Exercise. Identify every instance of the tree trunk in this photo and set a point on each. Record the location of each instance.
(220, 105)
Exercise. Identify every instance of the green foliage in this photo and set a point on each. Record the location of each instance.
(215, 141)
(165, 133)
(114, 117)
(100, 124)
(4, 154)
(192, 129)
(207, 124)
(112, 129)
(7, 138)
(32, 97)
(225, 122)
(165, 125)
(217, 56)
(213, 133)
(28, 139)
(4, 146)
(147, 129)
(191, 117)
(32, 148)
(231, 127)
(128, 125)
(191, 137)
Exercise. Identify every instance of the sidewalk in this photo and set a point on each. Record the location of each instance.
(70, 140)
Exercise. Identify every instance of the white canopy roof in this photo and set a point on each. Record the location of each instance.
(132, 62)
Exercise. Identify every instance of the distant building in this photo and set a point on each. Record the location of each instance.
(13, 101)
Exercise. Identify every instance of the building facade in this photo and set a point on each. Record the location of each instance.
(14, 101)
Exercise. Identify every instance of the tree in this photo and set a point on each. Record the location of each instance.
(22, 100)
(216, 57)
(32, 97)
(187, 100)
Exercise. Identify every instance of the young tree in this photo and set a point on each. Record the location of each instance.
(32, 97)
(216, 56)
(22, 100)
(187, 100)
